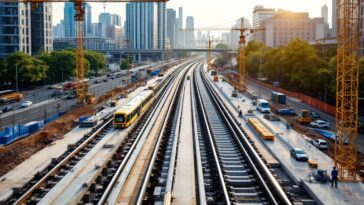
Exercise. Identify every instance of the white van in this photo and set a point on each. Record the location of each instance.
(263, 106)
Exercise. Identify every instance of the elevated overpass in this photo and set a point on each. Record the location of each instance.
(160, 53)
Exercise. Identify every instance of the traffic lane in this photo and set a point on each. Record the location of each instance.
(297, 105)
(37, 113)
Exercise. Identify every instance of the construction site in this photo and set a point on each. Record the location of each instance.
(190, 128)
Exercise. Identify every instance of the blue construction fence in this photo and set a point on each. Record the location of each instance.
(10, 134)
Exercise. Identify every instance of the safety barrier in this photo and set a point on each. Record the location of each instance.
(324, 107)
(10, 134)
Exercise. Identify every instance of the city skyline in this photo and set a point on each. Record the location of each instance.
(211, 16)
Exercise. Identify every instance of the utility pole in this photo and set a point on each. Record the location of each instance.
(16, 77)
(260, 74)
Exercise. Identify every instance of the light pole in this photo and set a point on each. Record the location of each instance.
(260, 73)
(16, 77)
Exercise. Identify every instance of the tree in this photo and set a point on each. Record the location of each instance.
(97, 62)
(254, 46)
(123, 64)
(30, 71)
(62, 65)
(221, 46)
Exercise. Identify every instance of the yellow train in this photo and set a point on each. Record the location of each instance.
(263, 132)
(126, 115)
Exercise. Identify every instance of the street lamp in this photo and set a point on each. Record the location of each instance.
(16, 77)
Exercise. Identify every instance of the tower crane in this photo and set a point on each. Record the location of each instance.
(347, 89)
(81, 87)
(243, 30)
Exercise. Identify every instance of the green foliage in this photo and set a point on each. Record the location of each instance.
(124, 64)
(30, 70)
(221, 46)
(297, 66)
(97, 62)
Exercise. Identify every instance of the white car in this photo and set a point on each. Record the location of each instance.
(26, 104)
(299, 154)
(320, 124)
(319, 143)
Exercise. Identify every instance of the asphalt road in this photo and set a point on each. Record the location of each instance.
(44, 105)
(298, 105)
(41, 110)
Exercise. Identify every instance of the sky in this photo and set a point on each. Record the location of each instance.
(212, 12)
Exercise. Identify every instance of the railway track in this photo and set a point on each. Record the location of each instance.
(34, 190)
(45, 180)
(229, 170)
(158, 183)
(103, 190)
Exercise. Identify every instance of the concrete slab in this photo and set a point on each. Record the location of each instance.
(25, 171)
(184, 179)
(346, 193)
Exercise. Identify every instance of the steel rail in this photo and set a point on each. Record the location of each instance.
(29, 192)
(170, 112)
(254, 158)
(120, 169)
(210, 138)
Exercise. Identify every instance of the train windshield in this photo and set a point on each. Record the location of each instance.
(119, 118)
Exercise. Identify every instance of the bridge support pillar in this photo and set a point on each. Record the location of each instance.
(139, 57)
(162, 57)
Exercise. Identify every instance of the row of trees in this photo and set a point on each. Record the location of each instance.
(299, 67)
(46, 68)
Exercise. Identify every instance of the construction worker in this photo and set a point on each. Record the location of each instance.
(334, 175)
(240, 113)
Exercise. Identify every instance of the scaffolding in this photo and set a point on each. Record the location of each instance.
(347, 78)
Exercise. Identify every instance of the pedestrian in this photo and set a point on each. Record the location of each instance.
(334, 175)
(240, 113)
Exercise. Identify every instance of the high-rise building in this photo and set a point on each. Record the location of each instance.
(105, 20)
(333, 18)
(15, 32)
(41, 28)
(139, 25)
(145, 25)
(58, 30)
(286, 26)
(115, 20)
(161, 25)
(97, 30)
(260, 14)
(190, 33)
(325, 13)
(88, 20)
(171, 27)
(69, 20)
(180, 33)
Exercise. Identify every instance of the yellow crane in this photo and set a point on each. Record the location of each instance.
(347, 89)
(243, 30)
(81, 86)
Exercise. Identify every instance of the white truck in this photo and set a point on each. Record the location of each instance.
(263, 106)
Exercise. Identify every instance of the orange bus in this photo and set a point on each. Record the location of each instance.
(10, 97)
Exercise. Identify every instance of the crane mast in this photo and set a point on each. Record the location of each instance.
(347, 80)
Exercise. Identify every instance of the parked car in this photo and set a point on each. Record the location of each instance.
(105, 80)
(320, 124)
(314, 115)
(299, 154)
(7, 109)
(319, 143)
(97, 81)
(286, 111)
(26, 104)
(234, 93)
